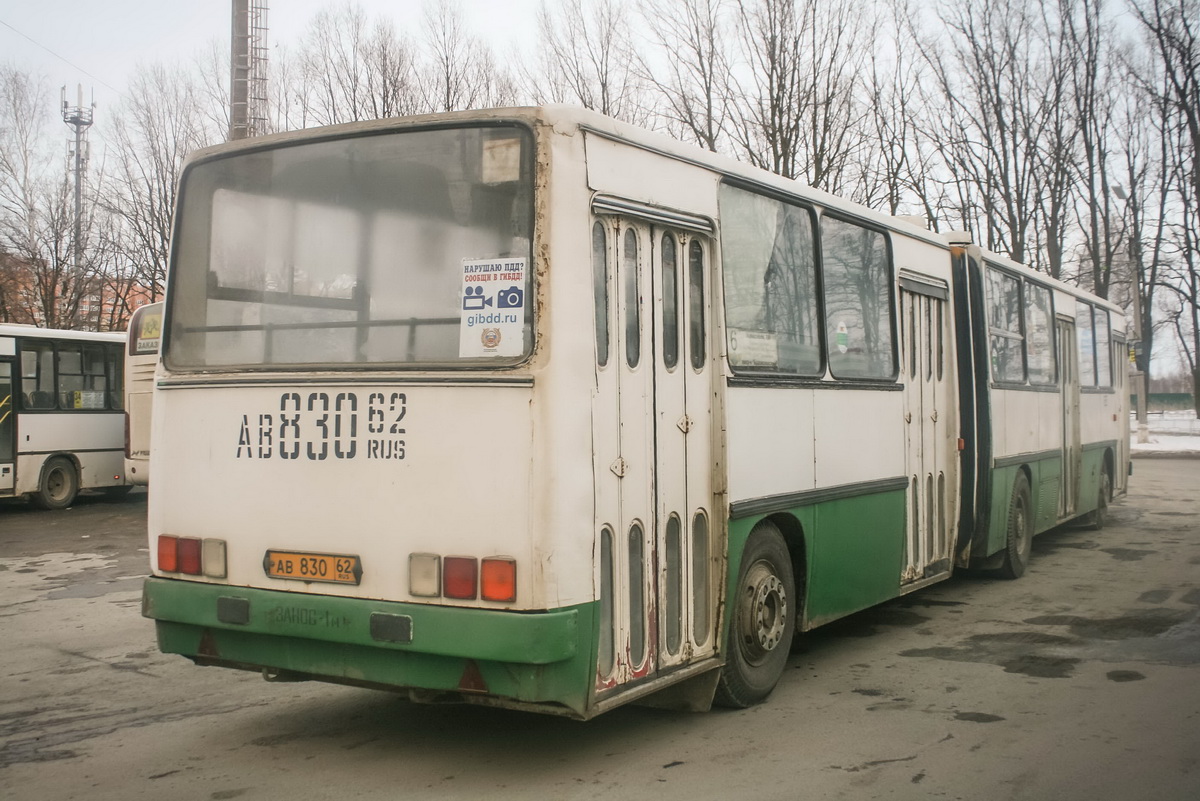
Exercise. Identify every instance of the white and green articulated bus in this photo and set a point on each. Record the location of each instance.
(532, 408)
(61, 415)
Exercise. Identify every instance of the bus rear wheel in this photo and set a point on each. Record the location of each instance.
(59, 485)
(763, 621)
(1096, 518)
(1019, 541)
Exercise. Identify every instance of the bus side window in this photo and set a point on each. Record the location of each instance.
(37, 375)
(633, 306)
(70, 376)
(1103, 360)
(1039, 334)
(1085, 335)
(600, 289)
(1004, 320)
(856, 266)
(696, 304)
(670, 315)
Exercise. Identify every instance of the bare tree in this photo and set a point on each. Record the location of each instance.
(896, 163)
(694, 86)
(794, 109)
(1084, 137)
(156, 126)
(462, 72)
(354, 69)
(996, 82)
(1172, 34)
(585, 58)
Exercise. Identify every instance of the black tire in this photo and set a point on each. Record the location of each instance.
(1019, 540)
(118, 493)
(762, 620)
(59, 485)
(1096, 518)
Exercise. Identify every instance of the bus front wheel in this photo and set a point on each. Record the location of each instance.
(59, 485)
(1019, 542)
(763, 620)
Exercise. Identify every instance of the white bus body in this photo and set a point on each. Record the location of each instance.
(141, 358)
(533, 408)
(61, 421)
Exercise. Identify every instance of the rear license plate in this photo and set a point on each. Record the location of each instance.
(333, 568)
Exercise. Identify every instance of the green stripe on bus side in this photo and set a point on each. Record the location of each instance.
(537, 657)
(851, 549)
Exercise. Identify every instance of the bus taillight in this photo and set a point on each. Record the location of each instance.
(460, 579)
(425, 575)
(498, 579)
(168, 553)
(191, 556)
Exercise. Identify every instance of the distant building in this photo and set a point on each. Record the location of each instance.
(104, 303)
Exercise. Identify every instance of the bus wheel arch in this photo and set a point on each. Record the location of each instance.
(1018, 540)
(58, 485)
(762, 618)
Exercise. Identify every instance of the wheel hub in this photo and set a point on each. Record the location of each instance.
(765, 613)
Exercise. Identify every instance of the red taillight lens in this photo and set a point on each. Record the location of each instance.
(189, 556)
(168, 553)
(460, 576)
(498, 579)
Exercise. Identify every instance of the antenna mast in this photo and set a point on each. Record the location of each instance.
(248, 69)
(78, 117)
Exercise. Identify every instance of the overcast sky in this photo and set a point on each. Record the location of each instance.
(99, 43)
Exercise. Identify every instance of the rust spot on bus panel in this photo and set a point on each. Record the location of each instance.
(208, 645)
(472, 679)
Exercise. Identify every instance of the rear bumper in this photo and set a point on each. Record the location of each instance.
(529, 657)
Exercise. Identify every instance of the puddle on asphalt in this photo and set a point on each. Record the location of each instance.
(1127, 554)
(67, 575)
(1143, 623)
(1160, 636)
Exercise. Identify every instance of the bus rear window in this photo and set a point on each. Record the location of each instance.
(401, 249)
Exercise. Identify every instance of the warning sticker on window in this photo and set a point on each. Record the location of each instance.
(493, 308)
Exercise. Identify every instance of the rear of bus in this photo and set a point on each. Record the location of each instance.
(145, 332)
(351, 428)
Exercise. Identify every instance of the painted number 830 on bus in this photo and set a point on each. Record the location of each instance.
(321, 425)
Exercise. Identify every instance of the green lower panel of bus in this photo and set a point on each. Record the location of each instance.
(851, 550)
(527, 657)
(1045, 483)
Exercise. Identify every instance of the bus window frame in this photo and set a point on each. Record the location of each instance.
(1052, 384)
(532, 157)
(892, 285)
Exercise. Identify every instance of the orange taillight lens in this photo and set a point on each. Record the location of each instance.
(168, 553)
(498, 579)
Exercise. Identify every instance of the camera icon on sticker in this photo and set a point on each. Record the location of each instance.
(511, 298)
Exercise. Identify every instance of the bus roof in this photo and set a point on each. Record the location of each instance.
(33, 332)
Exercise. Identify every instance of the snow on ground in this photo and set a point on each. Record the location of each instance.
(1171, 433)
